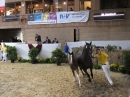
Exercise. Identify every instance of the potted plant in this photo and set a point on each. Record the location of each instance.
(33, 54)
(58, 55)
(12, 53)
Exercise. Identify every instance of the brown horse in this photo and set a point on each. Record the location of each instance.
(74, 67)
(85, 61)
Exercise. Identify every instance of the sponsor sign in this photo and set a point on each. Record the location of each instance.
(31, 17)
(108, 16)
(42, 18)
(68, 17)
(10, 18)
(2, 5)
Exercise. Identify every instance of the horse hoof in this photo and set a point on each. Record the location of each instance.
(89, 80)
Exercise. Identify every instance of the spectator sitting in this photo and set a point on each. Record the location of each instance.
(55, 40)
(47, 41)
(88, 8)
(19, 40)
(48, 10)
(71, 9)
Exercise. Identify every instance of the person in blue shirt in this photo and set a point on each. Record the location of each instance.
(66, 50)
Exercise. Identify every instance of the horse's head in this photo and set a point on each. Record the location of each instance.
(70, 53)
(88, 47)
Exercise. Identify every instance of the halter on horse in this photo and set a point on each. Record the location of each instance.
(85, 61)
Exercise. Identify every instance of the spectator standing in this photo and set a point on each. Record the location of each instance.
(1, 53)
(38, 39)
(55, 40)
(66, 50)
(4, 53)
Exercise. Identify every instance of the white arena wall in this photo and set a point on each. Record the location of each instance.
(23, 49)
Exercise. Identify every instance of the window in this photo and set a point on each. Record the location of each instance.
(114, 4)
(18, 8)
(13, 8)
(34, 6)
(85, 4)
(10, 9)
(60, 5)
(48, 7)
(70, 5)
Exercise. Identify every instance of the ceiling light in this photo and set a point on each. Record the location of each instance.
(64, 3)
(36, 4)
(45, 4)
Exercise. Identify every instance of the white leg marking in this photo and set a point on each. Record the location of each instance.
(92, 81)
(79, 80)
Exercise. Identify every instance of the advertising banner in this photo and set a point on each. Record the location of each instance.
(69, 17)
(108, 16)
(42, 18)
(10, 18)
(2, 5)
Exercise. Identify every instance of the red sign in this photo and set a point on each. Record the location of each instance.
(2, 8)
(2, 5)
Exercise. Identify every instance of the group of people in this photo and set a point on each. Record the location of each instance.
(3, 53)
(47, 41)
(15, 39)
(103, 59)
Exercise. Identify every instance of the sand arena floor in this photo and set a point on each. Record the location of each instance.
(50, 80)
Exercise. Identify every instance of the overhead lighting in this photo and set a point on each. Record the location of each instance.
(36, 5)
(64, 3)
(45, 4)
(19, 6)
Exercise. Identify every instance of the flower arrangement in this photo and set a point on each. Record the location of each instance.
(114, 67)
(19, 58)
(40, 60)
(121, 68)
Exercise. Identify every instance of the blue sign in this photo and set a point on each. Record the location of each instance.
(38, 17)
(31, 17)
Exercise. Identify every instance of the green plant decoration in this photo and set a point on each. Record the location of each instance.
(111, 48)
(12, 53)
(97, 67)
(126, 55)
(33, 54)
(58, 55)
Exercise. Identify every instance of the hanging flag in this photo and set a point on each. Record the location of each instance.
(2, 5)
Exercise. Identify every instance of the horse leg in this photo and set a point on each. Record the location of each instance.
(82, 71)
(77, 70)
(74, 75)
(85, 70)
(92, 75)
